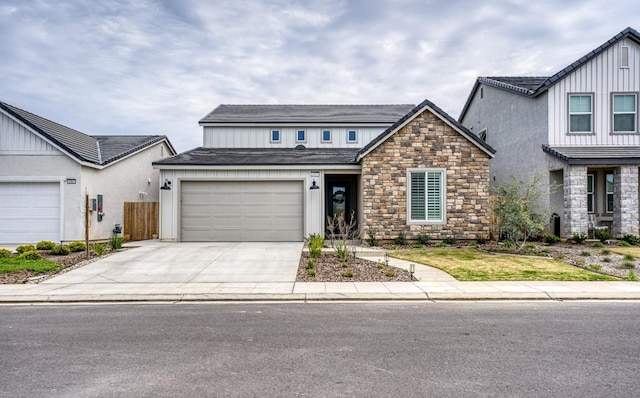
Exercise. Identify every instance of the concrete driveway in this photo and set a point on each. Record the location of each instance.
(158, 262)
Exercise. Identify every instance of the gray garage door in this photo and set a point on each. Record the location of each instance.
(244, 211)
(29, 212)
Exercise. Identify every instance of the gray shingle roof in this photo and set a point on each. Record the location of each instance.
(272, 114)
(96, 149)
(439, 112)
(523, 84)
(595, 155)
(261, 157)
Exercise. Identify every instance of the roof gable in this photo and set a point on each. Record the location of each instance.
(328, 114)
(97, 150)
(429, 106)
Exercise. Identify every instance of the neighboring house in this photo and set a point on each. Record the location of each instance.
(578, 127)
(46, 170)
(278, 172)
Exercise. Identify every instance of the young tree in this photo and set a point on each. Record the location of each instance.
(516, 207)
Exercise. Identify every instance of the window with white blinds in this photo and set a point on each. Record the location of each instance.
(426, 195)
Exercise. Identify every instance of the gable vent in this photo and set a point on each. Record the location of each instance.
(624, 56)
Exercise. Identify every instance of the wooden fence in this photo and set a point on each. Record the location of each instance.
(140, 220)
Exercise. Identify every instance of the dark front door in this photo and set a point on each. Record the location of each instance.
(340, 200)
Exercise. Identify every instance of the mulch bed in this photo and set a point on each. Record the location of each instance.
(329, 268)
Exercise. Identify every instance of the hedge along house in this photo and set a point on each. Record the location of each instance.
(278, 172)
(46, 169)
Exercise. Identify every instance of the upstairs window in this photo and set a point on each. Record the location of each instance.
(580, 113)
(301, 136)
(624, 113)
(426, 196)
(326, 135)
(275, 135)
(352, 136)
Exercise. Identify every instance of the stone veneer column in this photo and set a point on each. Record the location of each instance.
(575, 200)
(625, 201)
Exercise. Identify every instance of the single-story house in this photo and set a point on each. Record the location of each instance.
(278, 172)
(47, 169)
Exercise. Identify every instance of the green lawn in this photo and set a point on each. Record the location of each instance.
(633, 250)
(11, 264)
(468, 264)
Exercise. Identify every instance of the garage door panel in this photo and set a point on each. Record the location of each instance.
(243, 210)
(29, 212)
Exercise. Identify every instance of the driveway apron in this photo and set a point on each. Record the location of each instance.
(159, 262)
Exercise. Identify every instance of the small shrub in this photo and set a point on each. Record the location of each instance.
(344, 264)
(25, 248)
(32, 255)
(99, 248)
(631, 239)
(341, 250)
(372, 241)
(632, 276)
(545, 251)
(45, 245)
(401, 239)
(585, 253)
(550, 239)
(622, 243)
(441, 244)
(561, 257)
(579, 238)
(627, 265)
(348, 273)
(393, 247)
(418, 246)
(473, 244)
(597, 244)
(381, 264)
(509, 244)
(4, 253)
(605, 252)
(60, 250)
(596, 267)
(77, 246)
(629, 257)
(482, 239)
(531, 246)
(390, 273)
(450, 240)
(311, 273)
(606, 259)
(315, 244)
(423, 239)
(580, 261)
(602, 236)
(116, 242)
(310, 264)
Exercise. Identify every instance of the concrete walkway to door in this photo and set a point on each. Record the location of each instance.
(192, 262)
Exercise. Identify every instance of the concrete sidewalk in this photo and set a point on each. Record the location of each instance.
(433, 285)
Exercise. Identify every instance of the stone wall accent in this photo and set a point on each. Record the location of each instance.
(425, 142)
(576, 220)
(625, 201)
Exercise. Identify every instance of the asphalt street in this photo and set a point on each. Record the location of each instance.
(425, 349)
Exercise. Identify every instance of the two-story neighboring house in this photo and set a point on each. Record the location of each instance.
(278, 172)
(579, 127)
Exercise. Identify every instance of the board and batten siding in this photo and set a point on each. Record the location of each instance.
(600, 77)
(170, 199)
(16, 138)
(260, 137)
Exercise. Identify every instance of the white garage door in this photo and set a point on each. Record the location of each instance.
(237, 211)
(29, 212)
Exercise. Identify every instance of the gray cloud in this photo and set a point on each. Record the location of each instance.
(157, 67)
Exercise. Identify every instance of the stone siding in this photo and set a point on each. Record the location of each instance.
(426, 142)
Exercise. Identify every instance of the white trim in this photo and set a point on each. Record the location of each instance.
(271, 140)
(352, 141)
(322, 140)
(443, 196)
(296, 124)
(264, 167)
(298, 130)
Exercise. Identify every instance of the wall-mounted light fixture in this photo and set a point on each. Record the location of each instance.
(167, 185)
(313, 185)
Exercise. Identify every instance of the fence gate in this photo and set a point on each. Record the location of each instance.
(140, 220)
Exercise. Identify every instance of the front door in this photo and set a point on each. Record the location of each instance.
(340, 200)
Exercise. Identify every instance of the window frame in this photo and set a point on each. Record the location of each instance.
(613, 113)
(304, 134)
(322, 139)
(608, 193)
(355, 132)
(442, 197)
(272, 140)
(591, 194)
(590, 113)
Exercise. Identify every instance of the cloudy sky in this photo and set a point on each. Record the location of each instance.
(157, 67)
